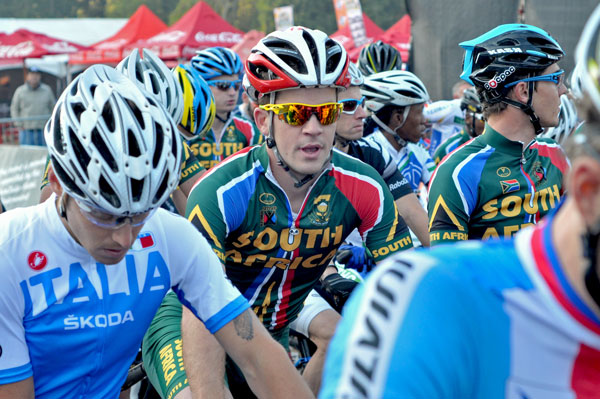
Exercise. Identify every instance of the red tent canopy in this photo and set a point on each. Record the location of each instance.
(199, 28)
(22, 43)
(142, 25)
(249, 40)
(399, 36)
(345, 37)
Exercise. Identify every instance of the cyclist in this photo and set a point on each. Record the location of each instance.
(222, 68)
(188, 102)
(508, 177)
(396, 99)
(473, 125)
(379, 57)
(276, 213)
(348, 138)
(84, 272)
(445, 117)
(520, 317)
(568, 121)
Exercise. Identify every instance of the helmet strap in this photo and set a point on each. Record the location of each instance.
(342, 141)
(590, 245)
(535, 121)
(221, 119)
(401, 142)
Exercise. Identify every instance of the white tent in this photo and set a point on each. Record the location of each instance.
(85, 31)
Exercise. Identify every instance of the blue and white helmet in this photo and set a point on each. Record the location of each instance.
(216, 61)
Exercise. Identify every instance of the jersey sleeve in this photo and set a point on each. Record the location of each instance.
(382, 228)
(190, 166)
(199, 280)
(450, 201)
(14, 354)
(249, 130)
(401, 335)
(395, 180)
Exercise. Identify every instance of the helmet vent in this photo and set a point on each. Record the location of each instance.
(334, 55)
(155, 84)
(107, 192)
(132, 144)
(137, 187)
(137, 113)
(108, 116)
(64, 178)
(158, 149)
(80, 153)
(78, 109)
(508, 42)
(103, 150)
(59, 141)
(162, 188)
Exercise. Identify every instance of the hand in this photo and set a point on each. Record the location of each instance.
(338, 288)
(354, 257)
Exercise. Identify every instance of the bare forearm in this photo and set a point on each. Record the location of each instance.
(203, 357)
(260, 358)
(18, 390)
(415, 217)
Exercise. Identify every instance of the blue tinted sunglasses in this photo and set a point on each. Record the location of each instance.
(351, 104)
(226, 84)
(556, 77)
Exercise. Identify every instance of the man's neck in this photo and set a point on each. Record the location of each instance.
(392, 140)
(567, 230)
(217, 126)
(342, 148)
(295, 194)
(513, 124)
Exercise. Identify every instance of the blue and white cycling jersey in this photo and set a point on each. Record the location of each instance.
(75, 325)
(446, 119)
(474, 320)
(413, 160)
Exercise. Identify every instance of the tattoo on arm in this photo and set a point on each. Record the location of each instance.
(243, 326)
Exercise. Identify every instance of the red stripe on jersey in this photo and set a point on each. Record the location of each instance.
(286, 293)
(366, 197)
(545, 268)
(555, 153)
(245, 127)
(586, 373)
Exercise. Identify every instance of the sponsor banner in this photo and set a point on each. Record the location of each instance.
(284, 17)
(356, 22)
(21, 169)
(340, 13)
(21, 50)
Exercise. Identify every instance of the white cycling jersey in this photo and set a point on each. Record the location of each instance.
(446, 119)
(75, 325)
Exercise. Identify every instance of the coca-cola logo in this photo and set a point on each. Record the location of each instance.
(20, 50)
(59, 47)
(114, 44)
(222, 37)
(172, 36)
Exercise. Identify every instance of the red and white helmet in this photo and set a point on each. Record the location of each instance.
(294, 58)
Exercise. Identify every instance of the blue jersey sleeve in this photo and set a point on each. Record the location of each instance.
(401, 336)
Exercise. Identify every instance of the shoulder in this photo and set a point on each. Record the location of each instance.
(20, 222)
(348, 165)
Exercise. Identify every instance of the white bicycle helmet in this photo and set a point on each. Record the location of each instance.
(356, 76)
(400, 88)
(297, 57)
(576, 83)
(112, 146)
(151, 74)
(567, 121)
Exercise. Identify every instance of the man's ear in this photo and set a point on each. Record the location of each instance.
(584, 186)
(261, 118)
(521, 92)
(54, 183)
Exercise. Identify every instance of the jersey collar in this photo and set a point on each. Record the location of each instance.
(494, 139)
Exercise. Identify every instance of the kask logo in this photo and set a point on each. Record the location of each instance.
(37, 260)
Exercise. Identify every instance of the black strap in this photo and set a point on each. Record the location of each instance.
(537, 126)
(592, 283)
